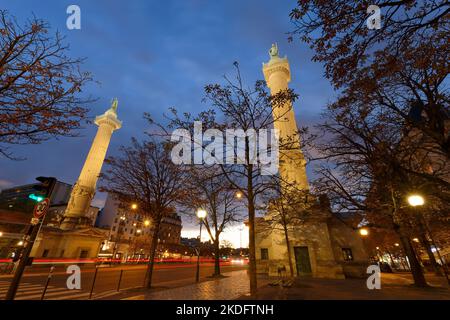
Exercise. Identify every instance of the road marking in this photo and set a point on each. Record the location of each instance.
(28, 291)
(52, 294)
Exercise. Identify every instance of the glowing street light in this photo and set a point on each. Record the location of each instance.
(396, 244)
(239, 195)
(146, 223)
(134, 206)
(363, 232)
(20, 243)
(416, 200)
(201, 214)
(1, 234)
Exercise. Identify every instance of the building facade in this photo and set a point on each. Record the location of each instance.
(130, 232)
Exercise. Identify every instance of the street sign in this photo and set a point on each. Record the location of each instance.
(41, 208)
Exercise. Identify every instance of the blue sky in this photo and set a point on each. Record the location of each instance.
(153, 55)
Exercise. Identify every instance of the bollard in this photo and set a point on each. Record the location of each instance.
(120, 280)
(93, 282)
(48, 281)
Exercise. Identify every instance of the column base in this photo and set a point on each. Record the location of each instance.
(72, 223)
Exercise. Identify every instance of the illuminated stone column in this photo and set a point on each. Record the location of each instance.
(292, 162)
(84, 189)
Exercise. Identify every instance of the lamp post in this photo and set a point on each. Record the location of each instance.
(201, 214)
(416, 201)
(364, 232)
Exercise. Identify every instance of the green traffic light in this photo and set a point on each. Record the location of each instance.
(35, 197)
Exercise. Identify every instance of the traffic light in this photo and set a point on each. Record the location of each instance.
(35, 197)
(44, 189)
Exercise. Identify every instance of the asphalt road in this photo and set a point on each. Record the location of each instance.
(107, 280)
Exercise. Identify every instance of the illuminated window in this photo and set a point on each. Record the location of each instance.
(264, 254)
(347, 254)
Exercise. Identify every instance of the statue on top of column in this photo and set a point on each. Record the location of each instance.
(114, 105)
(273, 51)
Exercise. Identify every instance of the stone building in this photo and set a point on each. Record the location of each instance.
(130, 232)
(322, 245)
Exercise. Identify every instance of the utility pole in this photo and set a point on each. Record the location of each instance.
(40, 209)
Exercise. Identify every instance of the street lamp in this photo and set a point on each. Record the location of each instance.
(134, 206)
(1, 234)
(416, 200)
(146, 223)
(239, 195)
(201, 215)
(363, 232)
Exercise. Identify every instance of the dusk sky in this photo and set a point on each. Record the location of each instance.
(153, 55)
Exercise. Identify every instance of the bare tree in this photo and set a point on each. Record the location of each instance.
(39, 85)
(236, 107)
(371, 166)
(214, 194)
(145, 174)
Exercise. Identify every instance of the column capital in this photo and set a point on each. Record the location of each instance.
(109, 118)
(276, 64)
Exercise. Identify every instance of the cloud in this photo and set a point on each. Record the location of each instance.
(5, 184)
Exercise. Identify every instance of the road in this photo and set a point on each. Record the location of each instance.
(107, 280)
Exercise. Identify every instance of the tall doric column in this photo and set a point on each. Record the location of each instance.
(84, 189)
(292, 162)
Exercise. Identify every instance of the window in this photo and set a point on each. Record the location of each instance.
(45, 253)
(62, 254)
(264, 254)
(84, 254)
(347, 254)
(115, 220)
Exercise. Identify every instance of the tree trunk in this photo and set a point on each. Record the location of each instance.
(216, 257)
(416, 269)
(286, 236)
(392, 259)
(251, 231)
(151, 262)
(426, 244)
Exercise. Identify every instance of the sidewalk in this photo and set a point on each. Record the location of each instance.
(393, 286)
(234, 285)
